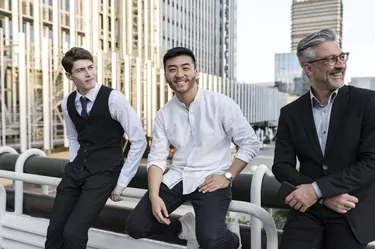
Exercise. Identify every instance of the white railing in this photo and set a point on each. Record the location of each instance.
(18, 191)
(255, 198)
(253, 209)
(235, 206)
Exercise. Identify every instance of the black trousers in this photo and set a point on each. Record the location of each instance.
(319, 228)
(210, 214)
(79, 200)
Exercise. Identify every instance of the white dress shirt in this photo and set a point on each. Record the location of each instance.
(202, 135)
(123, 112)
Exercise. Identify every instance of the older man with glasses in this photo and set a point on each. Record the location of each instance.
(331, 130)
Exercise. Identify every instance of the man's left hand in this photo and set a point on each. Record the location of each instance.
(213, 183)
(302, 198)
(116, 193)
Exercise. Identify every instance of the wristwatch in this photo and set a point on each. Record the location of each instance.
(228, 175)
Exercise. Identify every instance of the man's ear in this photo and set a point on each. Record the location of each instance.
(68, 75)
(307, 67)
(196, 73)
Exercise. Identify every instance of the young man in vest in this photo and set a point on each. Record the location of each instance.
(96, 118)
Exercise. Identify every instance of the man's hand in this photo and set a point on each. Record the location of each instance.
(159, 210)
(341, 203)
(213, 183)
(302, 198)
(116, 193)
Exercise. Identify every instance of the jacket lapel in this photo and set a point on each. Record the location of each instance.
(309, 124)
(337, 112)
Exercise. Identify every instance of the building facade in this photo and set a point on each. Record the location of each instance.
(289, 76)
(312, 15)
(363, 82)
(128, 39)
(208, 28)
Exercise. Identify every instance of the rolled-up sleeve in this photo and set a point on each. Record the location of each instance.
(160, 145)
(240, 130)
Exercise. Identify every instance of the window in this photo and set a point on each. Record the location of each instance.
(67, 5)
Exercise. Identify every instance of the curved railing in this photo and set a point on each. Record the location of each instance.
(253, 209)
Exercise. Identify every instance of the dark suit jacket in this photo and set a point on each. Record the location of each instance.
(348, 164)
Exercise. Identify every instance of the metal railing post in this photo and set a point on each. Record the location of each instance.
(255, 198)
(261, 214)
(3, 201)
(18, 188)
(7, 149)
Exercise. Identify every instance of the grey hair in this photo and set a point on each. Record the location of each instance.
(305, 48)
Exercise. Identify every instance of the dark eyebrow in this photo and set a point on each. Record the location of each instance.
(83, 67)
(183, 65)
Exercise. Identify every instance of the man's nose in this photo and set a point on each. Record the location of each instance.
(87, 72)
(180, 73)
(340, 63)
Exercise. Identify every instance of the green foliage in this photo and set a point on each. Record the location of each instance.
(280, 216)
(229, 219)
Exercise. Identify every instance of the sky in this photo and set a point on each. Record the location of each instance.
(264, 28)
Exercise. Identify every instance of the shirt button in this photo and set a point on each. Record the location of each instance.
(85, 150)
(85, 160)
(325, 167)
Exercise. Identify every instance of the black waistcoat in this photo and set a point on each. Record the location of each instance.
(100, 136)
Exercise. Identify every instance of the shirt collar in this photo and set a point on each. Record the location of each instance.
(330, 100)
(196, 99)
(91, 95)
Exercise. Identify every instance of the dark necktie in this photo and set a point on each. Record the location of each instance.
(84, 102)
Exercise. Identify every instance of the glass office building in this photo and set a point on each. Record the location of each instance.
(289, 76)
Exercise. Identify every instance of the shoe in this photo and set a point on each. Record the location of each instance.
(234, 227)
(188, 231)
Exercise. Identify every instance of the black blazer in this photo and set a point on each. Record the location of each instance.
(348, 163)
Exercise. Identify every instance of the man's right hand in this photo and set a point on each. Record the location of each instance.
(341, 203)
(159, 210)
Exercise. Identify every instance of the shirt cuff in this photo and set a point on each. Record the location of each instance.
(317, 189)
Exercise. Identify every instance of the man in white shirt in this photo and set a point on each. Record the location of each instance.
(200, 124)
(96, 119)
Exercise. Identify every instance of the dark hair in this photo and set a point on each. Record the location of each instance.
(178, 51)
(75, 54)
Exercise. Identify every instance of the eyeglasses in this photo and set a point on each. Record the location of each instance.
(332, 59)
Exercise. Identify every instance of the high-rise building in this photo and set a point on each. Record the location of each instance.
(312, 15)
(128, 39)
(308, 16)
(206, 27)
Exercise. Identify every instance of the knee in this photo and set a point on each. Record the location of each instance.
(132, 228)
(210, 241)
(54, 230)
